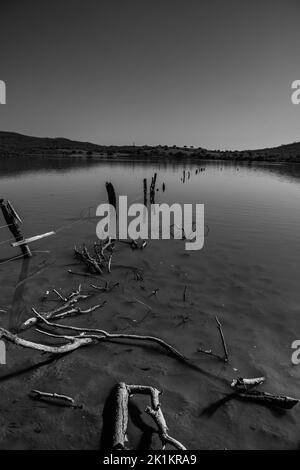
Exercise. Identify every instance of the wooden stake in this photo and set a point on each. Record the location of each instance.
(111, 194)
(12, 219)
(145, 191)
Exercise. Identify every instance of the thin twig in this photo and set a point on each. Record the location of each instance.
(226, 357)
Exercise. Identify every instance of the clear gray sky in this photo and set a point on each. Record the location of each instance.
(209, 73)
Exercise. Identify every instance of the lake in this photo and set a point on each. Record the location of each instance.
(247, 273)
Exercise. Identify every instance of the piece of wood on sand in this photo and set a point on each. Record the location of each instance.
(25, 241)
(123, 393)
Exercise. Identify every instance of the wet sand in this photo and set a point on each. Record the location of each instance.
(190, 390)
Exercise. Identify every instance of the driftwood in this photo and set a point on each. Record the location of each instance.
(12, 219)
(121, 417)
(102, 335)
(99, 261)
(245, 384)
(209, 352)
(226, 358)
(123, 393)
(73, 343)
(32, 239)
(68, 401)
(92, 264)
(279, 401)
(244, 391)
(68, 308)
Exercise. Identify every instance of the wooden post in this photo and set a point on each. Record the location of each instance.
(145, 191)
(12, 221)
(111, 194)
(152, 189)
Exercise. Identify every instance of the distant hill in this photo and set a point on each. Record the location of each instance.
(18, 145)
(13, 142)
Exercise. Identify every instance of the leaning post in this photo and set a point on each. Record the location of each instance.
(12, 219)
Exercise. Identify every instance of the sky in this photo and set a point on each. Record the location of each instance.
(209, 73)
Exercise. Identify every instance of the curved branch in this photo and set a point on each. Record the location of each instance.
(74, 343)
(111, 336)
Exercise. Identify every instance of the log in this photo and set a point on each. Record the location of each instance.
(12, 219)
(121, 418)
(123, 392)
(279, 401)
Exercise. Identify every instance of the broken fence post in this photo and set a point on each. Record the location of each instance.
(12, 219)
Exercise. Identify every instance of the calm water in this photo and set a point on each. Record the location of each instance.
(247, 273)
(252, 211)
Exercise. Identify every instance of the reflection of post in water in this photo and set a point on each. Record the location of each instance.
(17, 306)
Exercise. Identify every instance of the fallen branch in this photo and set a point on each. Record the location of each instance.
(279, 401)
(37, 394)
(226, 358)
(209, 351)
(74, 343)
(76, 310)
(123, 393)
(245, 384)
(104, 335)
(84, 256)
(70, 301)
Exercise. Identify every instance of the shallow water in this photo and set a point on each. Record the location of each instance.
(247, 273)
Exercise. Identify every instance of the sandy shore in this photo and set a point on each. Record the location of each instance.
(193, 392)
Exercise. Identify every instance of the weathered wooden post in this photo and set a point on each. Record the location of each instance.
(12, 219)
(111, 194)
(145, 191)
(152, 189)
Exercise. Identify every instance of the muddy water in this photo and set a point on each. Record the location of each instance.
(247, 273)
